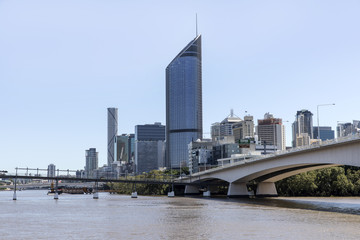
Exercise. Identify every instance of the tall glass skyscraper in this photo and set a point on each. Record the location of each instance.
(183, 103)
(111, 134)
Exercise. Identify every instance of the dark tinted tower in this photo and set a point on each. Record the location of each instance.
(183, 103)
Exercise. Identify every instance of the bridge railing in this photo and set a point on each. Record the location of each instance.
(26, 175)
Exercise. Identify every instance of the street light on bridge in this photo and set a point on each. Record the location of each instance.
(320, 105)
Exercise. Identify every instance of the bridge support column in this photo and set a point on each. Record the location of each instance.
(96, 193)
(56, 195)
(134, 192)
(191, 190)
(172, 193)
(237, 190)
(266, 189)
(207, 193)
(14, 195)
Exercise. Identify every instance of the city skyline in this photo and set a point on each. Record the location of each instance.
(59, 75)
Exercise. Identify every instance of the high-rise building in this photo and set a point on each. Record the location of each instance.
(200, 156)
(345, 129)
(303, 124)
(244, 129)
(112, 115)
(225, 127)
(271, 131)
(125, 153)
(149, 147)
(91, 161)
(326, 133)
(183, 103)
(123, 148)
(51, 170)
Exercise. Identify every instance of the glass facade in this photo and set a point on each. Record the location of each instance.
(92, 162)
(111, 134)
(150, 132)
(183, 103)
(325, 133)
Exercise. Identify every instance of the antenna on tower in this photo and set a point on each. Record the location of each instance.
(196, 25)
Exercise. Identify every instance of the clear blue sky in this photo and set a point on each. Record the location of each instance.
(62, 63)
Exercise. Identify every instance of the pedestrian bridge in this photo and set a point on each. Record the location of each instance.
(268, 169)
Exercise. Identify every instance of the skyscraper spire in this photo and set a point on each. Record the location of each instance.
(196, 25)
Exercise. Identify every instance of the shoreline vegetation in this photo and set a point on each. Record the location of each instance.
(147, 189)
(327, 182)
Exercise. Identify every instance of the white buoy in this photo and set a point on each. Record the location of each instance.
(96, 195)
(14, 196)
(171, 194)
(56, 196)
(134, 195)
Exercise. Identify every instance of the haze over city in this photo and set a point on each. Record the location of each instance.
(63, 64)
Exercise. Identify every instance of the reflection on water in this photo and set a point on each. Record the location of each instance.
(38, 216)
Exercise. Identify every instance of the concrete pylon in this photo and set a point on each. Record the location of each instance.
(96, 195)
(266, 189)
(207, 193)
(134, 195)
(191, 190)
(237, 190)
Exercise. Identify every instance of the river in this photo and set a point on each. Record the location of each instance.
(38, 216)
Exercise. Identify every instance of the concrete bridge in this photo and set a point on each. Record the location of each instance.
(272, 168)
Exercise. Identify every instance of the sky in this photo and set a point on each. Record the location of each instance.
(63, 63)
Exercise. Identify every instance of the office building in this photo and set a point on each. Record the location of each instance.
(112, 116)
(244, 129)
(91, 162)
(345, 129)
(183, 103)
(51, 171)
(149, 147)
(125, 154)
(200, 156)
(326, 133)
(302, 127)
(225, 127)
(271, 131)
(122, 148)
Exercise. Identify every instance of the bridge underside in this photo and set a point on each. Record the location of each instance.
(266, 180)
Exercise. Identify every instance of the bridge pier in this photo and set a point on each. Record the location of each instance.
(207, 193)
(266, 189)
(14, 195)
(96, 193)
(134, 192)
(172, 193)
(191, 190)
(56, 195)
(237, 190)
